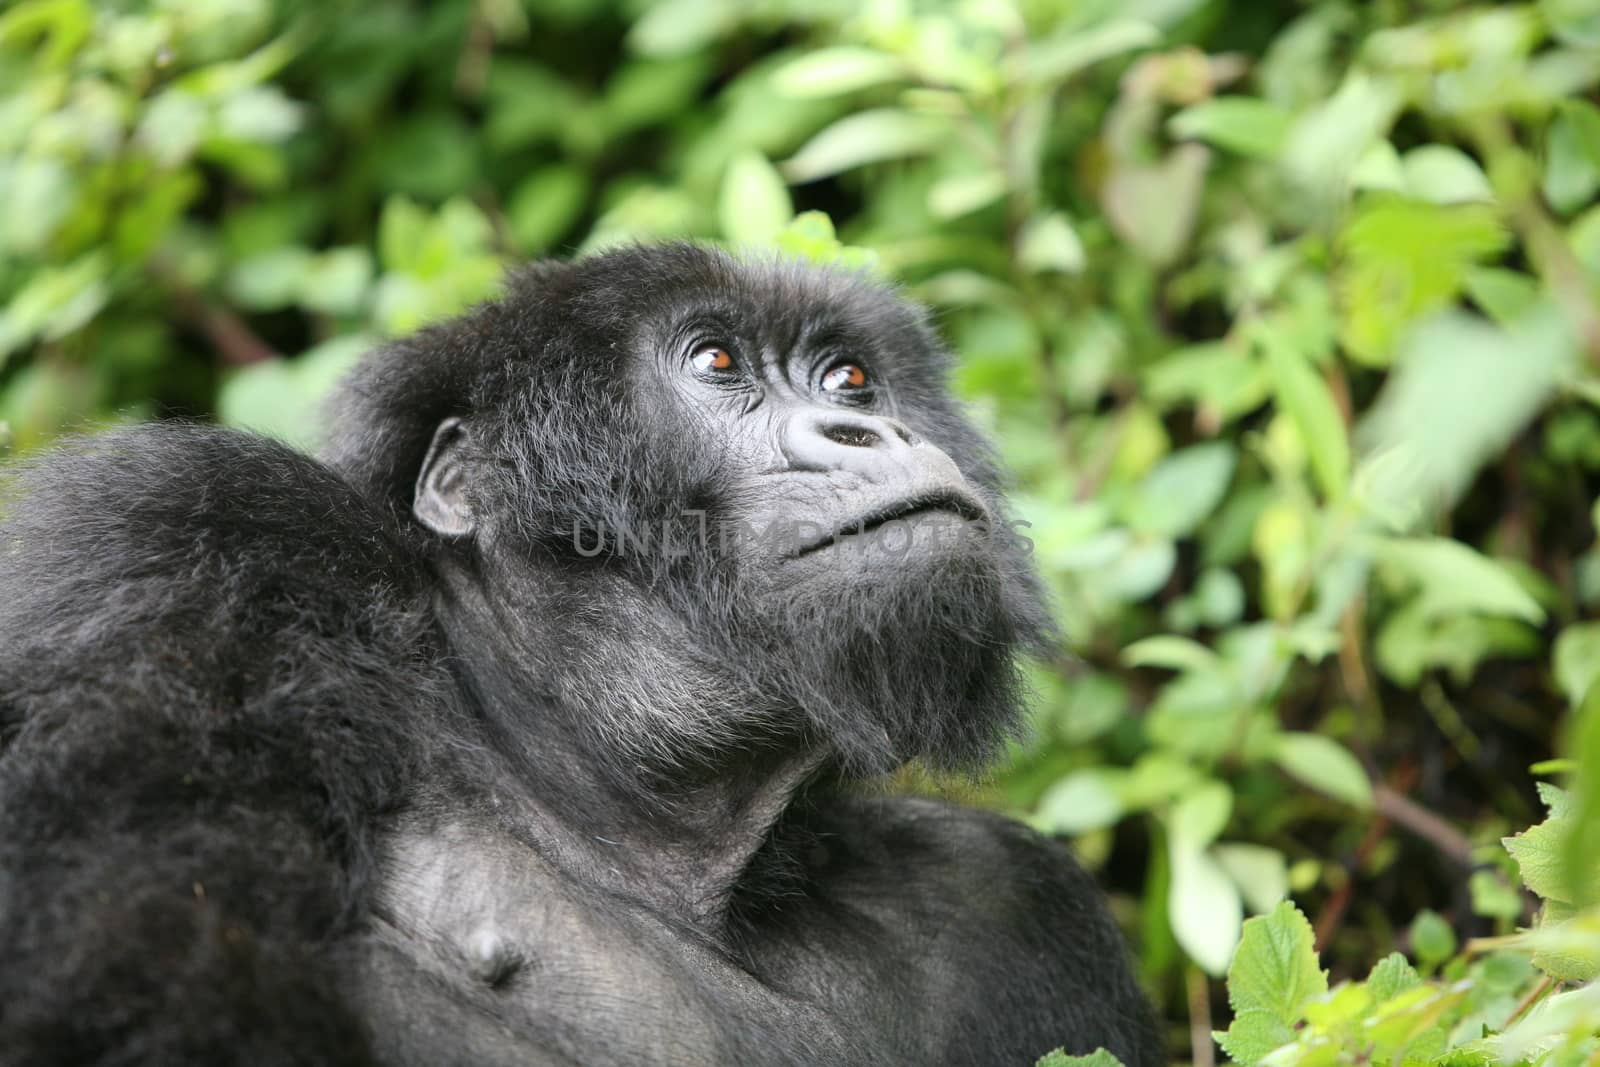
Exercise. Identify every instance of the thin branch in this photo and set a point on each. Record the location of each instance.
(1406, 812)
(1201, 1050)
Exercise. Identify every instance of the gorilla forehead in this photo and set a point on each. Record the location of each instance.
(634, 296)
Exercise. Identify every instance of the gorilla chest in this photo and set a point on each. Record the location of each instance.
(478, 939)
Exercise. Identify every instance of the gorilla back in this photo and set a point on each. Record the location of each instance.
(535, 722)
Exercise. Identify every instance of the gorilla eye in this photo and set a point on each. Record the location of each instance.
(712, 360)
(844, 377)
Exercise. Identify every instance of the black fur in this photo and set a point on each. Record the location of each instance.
(289, 776)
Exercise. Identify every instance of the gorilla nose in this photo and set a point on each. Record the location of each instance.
(840, 440)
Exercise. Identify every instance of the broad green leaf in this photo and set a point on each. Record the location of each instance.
(755, 205)
(1379, 168)
(544, 207)
(1058, 58)
(1204, 909)
(962, 194)
(674, 27)
(1173, 653)
(1083, 801)
(1574, 22)
(270, 280)
(283, 398)
(337, 281)
(1433, 939)
(1572, 157)
(1580, 853)
(1243, 124)
(1390, 977)
(1261, 873)
(1223, 380)
(1403, 259)
(1305, 397)
(1199, 815)
(1504, 295)
(1576, 660)
(1462, 390)
(1098, 1058)
(1538, 852)
(1273, 975)
(866, 137)
(1154, 205)
(1325, 765)
(1174, 498)
(1442, 174)
(1325, 143)
(55, 302)
(832, 71)
(1451, 577)
(1049, 243)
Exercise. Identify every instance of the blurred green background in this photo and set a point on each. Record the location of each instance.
(1282, 312)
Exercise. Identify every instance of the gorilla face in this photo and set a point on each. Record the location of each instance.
(764, 457)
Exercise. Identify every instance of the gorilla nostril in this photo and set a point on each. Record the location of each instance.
(852, 436)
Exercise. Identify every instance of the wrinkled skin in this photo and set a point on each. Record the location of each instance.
(535, 722)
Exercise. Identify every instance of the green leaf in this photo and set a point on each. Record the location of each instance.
(337, 281)
(55, 302)
(1453, 578)
(1504, 295)
(1442, 174)
(1273, 975)
(1175, 497)
(1305, 397)
(673, 27)
(544, 207)
(1261, 873)
(1173, 653)
(1403, 259)
(1055, 60)
(1325, 765)
(1243, 124)
(1082, 801)
(270, 280)
(832, 71)
(1098, 1058)
(961, 194)
(1462, 390)
(1154, 205)
(1326, 142)
(754, 206)
(1433, 939)
(283, 398)
(1576, 660)
(866, 137)
(1572, 157)
(1199, 815)
(1204, 909)
(1390, 977)
(1049, 243)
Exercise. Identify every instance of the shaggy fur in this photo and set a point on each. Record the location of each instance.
(288, 777)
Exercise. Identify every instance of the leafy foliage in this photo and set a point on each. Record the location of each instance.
(1284, 314)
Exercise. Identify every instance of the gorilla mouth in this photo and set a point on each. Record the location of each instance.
(948, 501)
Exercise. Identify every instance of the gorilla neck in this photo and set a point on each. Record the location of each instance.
(683, 772)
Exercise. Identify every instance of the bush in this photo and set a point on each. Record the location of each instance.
(1283, 312)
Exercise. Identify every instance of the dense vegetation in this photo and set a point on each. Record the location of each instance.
(1284, 314)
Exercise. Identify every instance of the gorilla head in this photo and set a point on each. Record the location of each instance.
(745, 480)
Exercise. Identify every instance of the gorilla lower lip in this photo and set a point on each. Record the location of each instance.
(900, 511)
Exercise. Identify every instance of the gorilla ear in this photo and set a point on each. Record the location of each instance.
(440, 503)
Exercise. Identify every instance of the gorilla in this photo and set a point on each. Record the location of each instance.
(538, 721)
